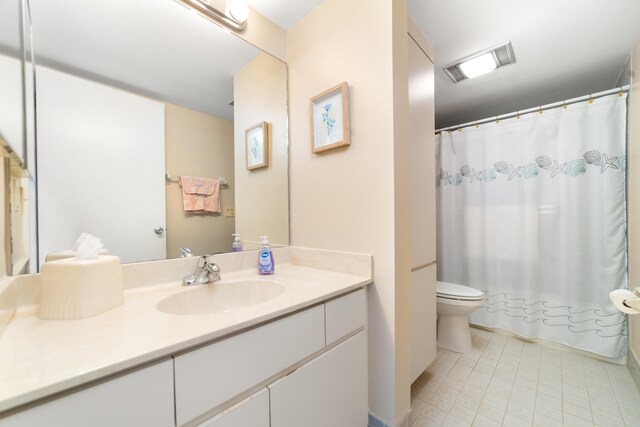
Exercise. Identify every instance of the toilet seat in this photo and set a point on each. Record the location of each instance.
(452, 291)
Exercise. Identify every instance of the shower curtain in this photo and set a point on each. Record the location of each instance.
(531, 210)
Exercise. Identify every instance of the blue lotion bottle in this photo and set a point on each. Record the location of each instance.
(265, 258)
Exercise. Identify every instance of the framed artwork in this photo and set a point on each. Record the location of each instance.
(330, 119)
(257, 146)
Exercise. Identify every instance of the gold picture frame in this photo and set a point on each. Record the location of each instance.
(330, 119)
(257, 146)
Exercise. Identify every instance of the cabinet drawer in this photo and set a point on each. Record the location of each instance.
(141, 398)
(330, 390)
(207, 377)
(345, 314)
(251, 412)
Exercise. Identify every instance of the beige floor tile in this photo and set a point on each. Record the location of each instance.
(576, 401)
(540, 420)
(424, 422)
(577, 411)
(433, 413)
(463, 413)
(569, 420)
(453, 421)
(506, 381)
(443, 402)
(416, 408)
(482, 421)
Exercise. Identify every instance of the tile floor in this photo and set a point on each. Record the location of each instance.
(506, 381)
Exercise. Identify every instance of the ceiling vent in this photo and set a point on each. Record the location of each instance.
(481, 63)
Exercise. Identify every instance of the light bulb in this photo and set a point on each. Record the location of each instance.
(239, 10)
(479, 65)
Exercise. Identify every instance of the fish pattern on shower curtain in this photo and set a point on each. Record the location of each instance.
(531, 210)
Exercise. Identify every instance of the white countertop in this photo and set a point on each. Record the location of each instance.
(41, 357)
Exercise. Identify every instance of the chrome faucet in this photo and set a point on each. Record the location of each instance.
(206, 272)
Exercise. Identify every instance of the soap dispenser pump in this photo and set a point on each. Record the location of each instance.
(237, 243)
(265, 257)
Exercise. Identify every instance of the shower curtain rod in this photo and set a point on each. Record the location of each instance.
(591, 97)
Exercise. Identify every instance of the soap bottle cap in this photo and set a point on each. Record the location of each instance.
(236, 237)
(264, 240)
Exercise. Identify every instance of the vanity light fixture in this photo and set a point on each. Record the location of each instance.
(232, 13)
(481, 63)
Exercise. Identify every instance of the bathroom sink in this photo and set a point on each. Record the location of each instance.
(220, 297)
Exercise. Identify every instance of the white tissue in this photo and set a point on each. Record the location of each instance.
(87, 247)
(619, 296)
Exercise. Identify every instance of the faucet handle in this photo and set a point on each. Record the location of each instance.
(202, 262)
(214, 271)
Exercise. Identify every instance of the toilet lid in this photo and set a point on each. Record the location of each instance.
(451, 290)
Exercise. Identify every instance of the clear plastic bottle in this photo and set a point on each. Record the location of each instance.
(265, 257)
(236, 246)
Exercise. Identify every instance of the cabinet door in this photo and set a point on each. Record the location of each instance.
(331, 390)
(141, 398)
(423, 320)
(208, 377)
(423, 157)
(251, 412)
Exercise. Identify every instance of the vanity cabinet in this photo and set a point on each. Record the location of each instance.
(308, 368)
(330, 390)
(140, 398)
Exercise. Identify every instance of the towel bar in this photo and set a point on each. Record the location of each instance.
(174, 178)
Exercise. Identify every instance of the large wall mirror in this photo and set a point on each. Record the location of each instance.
(132, 95)
(17, 136)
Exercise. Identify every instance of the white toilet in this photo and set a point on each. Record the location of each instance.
(454, 303)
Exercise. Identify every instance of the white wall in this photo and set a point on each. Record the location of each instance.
(357, 198)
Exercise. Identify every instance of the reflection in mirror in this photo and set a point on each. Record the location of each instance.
(17, 132)
(133, 94)
(11, 98)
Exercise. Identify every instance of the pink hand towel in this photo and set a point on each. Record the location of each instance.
(200, 194)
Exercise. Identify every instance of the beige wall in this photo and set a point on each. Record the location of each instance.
(263, 34)
(262, 196)
(633, 195)
(356, 198)
(198, 144)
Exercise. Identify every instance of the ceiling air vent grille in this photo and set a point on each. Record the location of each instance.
(502, 55)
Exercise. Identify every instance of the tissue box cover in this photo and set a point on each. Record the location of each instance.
(54, 256)
(77, 289)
